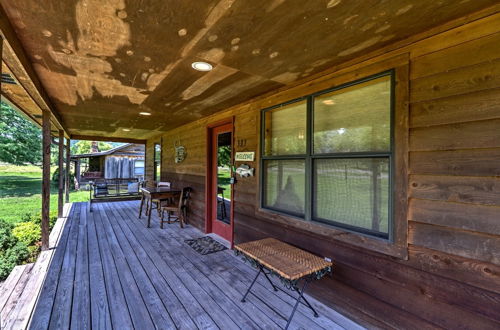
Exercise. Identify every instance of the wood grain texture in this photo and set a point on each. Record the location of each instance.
(460, 269)
(60, 162)
(482, 105)
(451, 175)
(466, 79)
(67, 176)
(469, 135)
(480, 218)
(401, 155)
(466, 244)
(193, 290)
(473, 190)
(468, 162)
(98, 81)
(477, 51)
(46, 140)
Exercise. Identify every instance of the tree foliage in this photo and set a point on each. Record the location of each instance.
(85, 147)
(224, 156)
(20, 139)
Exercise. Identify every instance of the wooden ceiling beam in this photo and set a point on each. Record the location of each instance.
(22, 68)
(106, 139)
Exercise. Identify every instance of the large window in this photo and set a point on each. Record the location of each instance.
(157, 162)
(327, 157)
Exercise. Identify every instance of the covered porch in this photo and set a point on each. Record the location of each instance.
(110, 271)
(364, 133)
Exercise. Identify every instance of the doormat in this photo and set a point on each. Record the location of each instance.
(205, 245)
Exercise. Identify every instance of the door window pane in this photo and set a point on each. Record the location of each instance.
(352, 191)
(157, 162)
(285, 185)
(224, 142)
(285, 130)
(354, 119)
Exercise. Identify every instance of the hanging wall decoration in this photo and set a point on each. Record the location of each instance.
(244, 170)
(180, 153)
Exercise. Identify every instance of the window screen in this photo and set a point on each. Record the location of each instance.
(327, 157)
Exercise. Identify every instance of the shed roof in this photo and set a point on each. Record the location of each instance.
(103, 153)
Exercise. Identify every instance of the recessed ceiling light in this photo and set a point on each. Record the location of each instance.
(329, 102)
(126, 130)
(145, 113)
(202, 66)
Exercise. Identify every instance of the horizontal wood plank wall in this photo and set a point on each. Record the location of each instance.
(452, 276)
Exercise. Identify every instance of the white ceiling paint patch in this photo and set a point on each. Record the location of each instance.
(206, 81)
(101, 34)
(333, 3)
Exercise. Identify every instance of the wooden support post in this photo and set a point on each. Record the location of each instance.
(60, 192)
(45, 179)
(1, 52)
(77, 171)
(68, 169)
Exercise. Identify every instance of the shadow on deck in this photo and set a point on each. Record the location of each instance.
(110, 271)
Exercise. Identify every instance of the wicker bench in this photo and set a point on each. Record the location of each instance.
(292, 265)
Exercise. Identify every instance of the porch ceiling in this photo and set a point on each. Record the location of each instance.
(104, 61)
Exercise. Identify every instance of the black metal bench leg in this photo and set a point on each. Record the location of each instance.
(301, 295)
(310, 306)
(269, 280)
(251, 285)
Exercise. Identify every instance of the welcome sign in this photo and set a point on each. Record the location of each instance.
(248, 156)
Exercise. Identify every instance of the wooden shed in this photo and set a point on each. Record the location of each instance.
(365, 132)
(122, 162)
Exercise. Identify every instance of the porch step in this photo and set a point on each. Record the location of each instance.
(12, 288)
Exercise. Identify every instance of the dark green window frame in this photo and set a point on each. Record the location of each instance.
(309, 158)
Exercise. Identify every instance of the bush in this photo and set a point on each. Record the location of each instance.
(37, 218)
(11, 257)
(6, 238)
(55, 178)
(27, 232)
(12, 251)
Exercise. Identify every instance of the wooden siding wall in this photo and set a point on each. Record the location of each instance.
(452, 276)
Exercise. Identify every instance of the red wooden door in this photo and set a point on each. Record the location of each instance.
(222, 192)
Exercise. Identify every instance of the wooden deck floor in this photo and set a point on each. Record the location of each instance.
(110, 271)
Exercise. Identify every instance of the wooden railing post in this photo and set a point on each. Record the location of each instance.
(68, 168)
(77, 170)
(45, 178)
(60, 193)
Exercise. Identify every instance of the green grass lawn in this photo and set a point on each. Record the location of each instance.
(223, 177)
(20, 192)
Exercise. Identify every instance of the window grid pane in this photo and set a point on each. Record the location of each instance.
(285, 130)
(352, 191)
(285, 185)
(354, 119)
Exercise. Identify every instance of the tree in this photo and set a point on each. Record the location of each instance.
(20, 139)
(85, 147)
(224, 156)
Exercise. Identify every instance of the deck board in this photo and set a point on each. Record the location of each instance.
(81, 292)
(110, 271)
(99, 307)
(177, 303)
(41, 319)
(139, 313)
